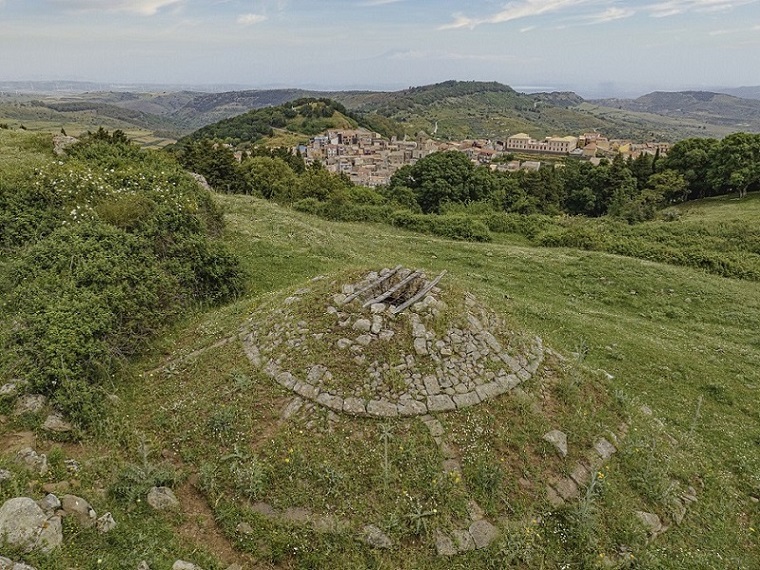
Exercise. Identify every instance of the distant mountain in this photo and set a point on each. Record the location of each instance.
(289, 122)
(711, 108)
(747, 92)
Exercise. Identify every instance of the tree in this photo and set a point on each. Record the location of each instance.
(691, 158)
(670, 186)
(269, 177)
(735, 163)
(438, 178)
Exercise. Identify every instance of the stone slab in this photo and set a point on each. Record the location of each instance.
(440, 403)
(467, 399)
(355, 406)
(382, 409)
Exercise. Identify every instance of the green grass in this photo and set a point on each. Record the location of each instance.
(677, 339)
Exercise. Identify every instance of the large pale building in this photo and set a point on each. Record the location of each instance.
(555, 145)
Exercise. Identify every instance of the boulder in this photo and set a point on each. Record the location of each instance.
(105, 523)
(375, 537)
(559, 440)
(183, 565)
(24, 525)
(56, 424)
(37, 462)
(162, 499)
(29, 404)
(8, 564)
(78, 508)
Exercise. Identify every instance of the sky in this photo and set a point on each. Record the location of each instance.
(595, 47)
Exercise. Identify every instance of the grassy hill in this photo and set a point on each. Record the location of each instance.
(716, 109)
(670, 352)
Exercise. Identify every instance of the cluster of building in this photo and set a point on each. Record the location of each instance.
(369, 159)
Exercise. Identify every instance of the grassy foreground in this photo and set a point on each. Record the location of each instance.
(678, 340)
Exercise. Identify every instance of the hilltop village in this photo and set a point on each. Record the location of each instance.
(369, 159)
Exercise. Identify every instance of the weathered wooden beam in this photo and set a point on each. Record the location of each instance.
(420, 294)
(374, 284)
(392, 290)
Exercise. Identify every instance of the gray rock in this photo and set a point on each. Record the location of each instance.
(386, 335)
(362, 325)
(566, 488)
(143, 565)
(106, 523)
(483, 533)
(344, 343)
(411, 408)
(49, 503)
(378, 308)
(5, 475)
(375, 537)
(30, 404)
(559, 440)
(420, 346)
(34, 461)
(490, 390)
(57, 424)
(651, 522)
(8, 564)
(382, 408)
(463, 540)
(467, 399)
(162, 498)
(444, 545)
(330, 401)
(364, 340)
(604, 449)
(184, 565)
(244, 528)
(441, 403)
(355, 406)
(377, 324)
(12, 388)
(78, 508)
(316, 373)
(431, 385)
(24, 525)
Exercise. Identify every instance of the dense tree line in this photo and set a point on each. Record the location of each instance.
(628, 189)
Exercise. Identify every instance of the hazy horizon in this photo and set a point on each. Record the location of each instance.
(593, 47)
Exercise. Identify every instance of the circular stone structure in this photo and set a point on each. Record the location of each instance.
(390, 343)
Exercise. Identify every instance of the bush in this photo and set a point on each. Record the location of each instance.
(106, 248)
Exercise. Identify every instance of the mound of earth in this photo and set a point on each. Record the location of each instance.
(393, 343)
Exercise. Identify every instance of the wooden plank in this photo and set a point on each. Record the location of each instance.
(392, 290)
(374, 284)
(424, 291)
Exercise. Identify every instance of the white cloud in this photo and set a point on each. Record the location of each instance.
(612, 14)
(250, 19)
(515, 11)
(143, 7)
(675, 7)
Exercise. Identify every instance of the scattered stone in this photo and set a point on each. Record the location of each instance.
(34, 461)
(24, 525)
(244, 528)
(375, 537)
(61, 487)
(79, 509)
(8, 564)
(106, 523)
(483, 533)
(652, 523)
(57, 424)
(5, 475)
(162, 499)
(559, 440)
(362, 325)
(463, 540)
(49, 503)
(364, 340)
(420, 346)
(12, 388)
(29, 404)
(184, 565)
(386, 335)
(444, 545)
(604, 449)
(143, 565)
(378, 308)
(566, 488)
(580, 474)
